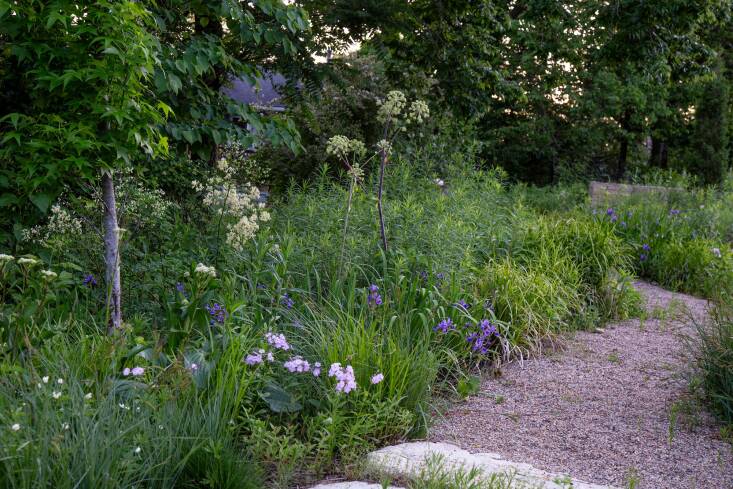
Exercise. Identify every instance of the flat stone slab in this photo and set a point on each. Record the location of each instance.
(352, 485)
(409, 460)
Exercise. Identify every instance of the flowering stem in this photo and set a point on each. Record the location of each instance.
(346, 223)
(382, 163)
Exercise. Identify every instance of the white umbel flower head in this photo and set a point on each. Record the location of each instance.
(392, 107)
(202, 269)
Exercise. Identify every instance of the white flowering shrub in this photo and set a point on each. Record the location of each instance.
(61, 225)
(238, 207)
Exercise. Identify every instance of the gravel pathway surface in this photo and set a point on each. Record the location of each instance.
(610, 407)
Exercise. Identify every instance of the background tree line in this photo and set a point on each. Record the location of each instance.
(548, 90)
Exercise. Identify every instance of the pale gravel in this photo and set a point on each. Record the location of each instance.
(599, 408)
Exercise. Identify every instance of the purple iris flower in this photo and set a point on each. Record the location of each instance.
(89, 280)
(445, 325)
(461, 304)
(374, 298)
(646, 247)
(286, 301)
(217, 312)
(642, 257)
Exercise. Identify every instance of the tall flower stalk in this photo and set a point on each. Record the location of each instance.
(396, 115)
(349, 151)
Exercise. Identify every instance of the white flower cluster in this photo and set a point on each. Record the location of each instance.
(341, 146)
(384, 146)
(60, 223)
(202, 269)
(140, 205)
(418, 112)
(392, 107)
(239, 204)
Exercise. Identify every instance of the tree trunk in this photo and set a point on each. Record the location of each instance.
(623, 146)
(656, 152)
(111, 254)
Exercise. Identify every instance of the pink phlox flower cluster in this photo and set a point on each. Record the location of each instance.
(377, 378)
(316, 369)
(297, 364)
(277, 341)
(254, 358)
(345, 377)
(257, 357)
(136, 372)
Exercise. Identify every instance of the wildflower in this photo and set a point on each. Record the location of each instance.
(610, 211)
(27, 261)
(384, 146)
(270, 357)
(423, 276)
(297, 364)
(440, 276)
(461, 304)
(49, 274)
(45, 379)
(481, 341)
(65, 426)
(374, 299)
(137, 371)
(88, 396)
(445, 325)
(56, 394)
(488, 305)
(418, 112)
(674, 212)
(253, 359)
(316, 369)
(137, 450)
(60, 381)
(126, 371)
(344, 376)
(439, 182)
(356, 172)
(614, 218)
(646, 247)
(277, 341)
(643, 257)
(392, 107)
(180, 288)
(193, 367)
(205, 270)
(124, 406)
(15, 427)
(717, 253)
(286, 301)
(217, 312)
(89, 280)
(4, 257)
(377, 378)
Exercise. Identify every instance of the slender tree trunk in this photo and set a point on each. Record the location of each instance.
(654, 155)
(383, 163)
(111, 253)
(623, 146)
(663, 155)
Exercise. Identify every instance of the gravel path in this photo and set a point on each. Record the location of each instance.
(611, 407)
